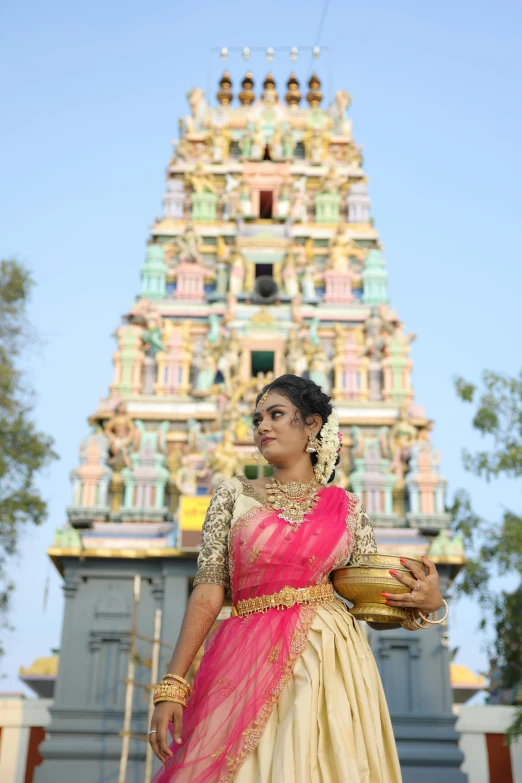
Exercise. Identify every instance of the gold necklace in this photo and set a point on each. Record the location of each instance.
(295, 499)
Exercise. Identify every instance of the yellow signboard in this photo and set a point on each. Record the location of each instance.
(192, 511)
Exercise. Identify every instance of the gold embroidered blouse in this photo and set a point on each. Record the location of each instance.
(232, 498)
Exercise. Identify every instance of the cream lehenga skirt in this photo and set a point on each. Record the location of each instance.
(331, 724)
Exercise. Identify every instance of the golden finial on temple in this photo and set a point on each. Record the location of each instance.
(315, 96)
(225, 93)
(293, 96)
(246, 96)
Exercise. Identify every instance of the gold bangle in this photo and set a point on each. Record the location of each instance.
(168, 690)
(436, 622)
(168, 693)
(412, 623)
(176, 677)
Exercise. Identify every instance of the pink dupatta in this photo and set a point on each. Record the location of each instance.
(249, 660)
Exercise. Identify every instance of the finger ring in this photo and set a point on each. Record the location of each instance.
(417, 587)
(153, 731)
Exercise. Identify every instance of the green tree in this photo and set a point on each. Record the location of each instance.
(497, 547)
(24, 451)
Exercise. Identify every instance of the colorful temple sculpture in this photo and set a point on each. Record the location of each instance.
(265, 261)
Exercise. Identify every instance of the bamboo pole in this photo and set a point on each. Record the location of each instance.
(127, 717)
(153, 680)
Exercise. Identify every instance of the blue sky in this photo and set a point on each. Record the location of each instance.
(91, 95)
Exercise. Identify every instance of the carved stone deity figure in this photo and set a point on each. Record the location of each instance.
(222, 250)
(289, 274)
(230, 359)
(375, 330)
(186, 245)
(152, 337)
(289, 143)
(283, 201)
(353, 154)
(207, 368)
(200, 180)
(424, 432)
(337, 111)
(295, 356)
(245, 199)
(237, 272)
(332, 180)
(225, 462)
(123, 437)
(316, 143)
(245, 143)
(222, 266)
(198, 107)
(308, 282)
(219, 143)
(403, 435)
(338, 258)
(229, 197)
(258, 143)
(182, 150)
(300, 253)
(400, 338)
(186, 476)
(319, 369)
(276, 144)
(299, 208)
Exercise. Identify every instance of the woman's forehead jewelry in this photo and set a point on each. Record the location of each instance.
(263, 398)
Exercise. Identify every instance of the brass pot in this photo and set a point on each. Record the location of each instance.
(362, 585)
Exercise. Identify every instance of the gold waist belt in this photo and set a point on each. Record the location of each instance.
(288, 596)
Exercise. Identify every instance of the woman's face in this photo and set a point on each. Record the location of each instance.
(279, 433)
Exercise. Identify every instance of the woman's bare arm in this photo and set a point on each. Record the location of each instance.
(202, 610)
(203, 607)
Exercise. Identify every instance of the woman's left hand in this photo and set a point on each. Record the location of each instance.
(425, 594)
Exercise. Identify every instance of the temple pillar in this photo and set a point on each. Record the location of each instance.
(128, 361)
(338, 287)
(358, 203)
(190, 282)
(154, 273)
(204, 207)
(327, 208)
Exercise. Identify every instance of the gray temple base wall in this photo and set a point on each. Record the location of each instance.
(84, 743)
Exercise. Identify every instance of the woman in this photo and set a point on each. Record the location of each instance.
(287, 690)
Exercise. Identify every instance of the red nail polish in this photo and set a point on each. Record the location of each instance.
(393, 572)
(402, 559)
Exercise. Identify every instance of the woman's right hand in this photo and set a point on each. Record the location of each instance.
(164, 713)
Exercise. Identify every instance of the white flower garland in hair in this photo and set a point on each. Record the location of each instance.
(329, 446)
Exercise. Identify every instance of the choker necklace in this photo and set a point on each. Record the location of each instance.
(294, 500)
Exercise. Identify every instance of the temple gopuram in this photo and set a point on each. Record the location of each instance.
(265, 261)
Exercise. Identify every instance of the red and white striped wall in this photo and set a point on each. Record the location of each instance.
(23, 724)
(487, 759)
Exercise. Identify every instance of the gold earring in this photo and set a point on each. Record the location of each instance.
(312, 444)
